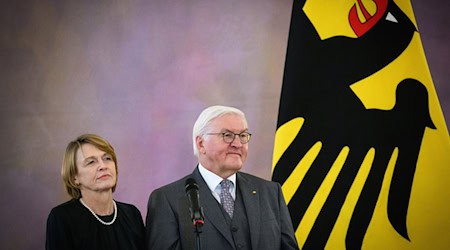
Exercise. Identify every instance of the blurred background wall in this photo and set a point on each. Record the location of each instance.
(138, 73)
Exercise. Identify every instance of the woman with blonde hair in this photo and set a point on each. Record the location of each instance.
(92, 219)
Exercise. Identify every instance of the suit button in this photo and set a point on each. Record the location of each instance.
(234, 229)
(240, 246)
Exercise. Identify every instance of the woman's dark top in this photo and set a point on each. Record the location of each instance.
(72, 226)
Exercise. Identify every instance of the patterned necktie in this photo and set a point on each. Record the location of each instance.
(225, 197)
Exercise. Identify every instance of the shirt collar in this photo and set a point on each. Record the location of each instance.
(211, 179)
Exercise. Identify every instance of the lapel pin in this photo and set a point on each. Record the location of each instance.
(254, 192)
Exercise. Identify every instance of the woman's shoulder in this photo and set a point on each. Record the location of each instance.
(126, 207)
(66, 212)
(66, 206)
(129, 212)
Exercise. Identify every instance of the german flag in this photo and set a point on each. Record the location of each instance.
(361, 149)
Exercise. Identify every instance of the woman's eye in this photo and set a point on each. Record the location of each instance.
(107, 157)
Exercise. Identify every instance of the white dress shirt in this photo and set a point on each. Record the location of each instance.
(213, 182)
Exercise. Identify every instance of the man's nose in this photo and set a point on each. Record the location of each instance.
(236, 141)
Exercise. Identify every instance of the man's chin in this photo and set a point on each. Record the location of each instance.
(237, 165)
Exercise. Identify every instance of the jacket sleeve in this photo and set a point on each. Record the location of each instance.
(288, 240)
(162, 229)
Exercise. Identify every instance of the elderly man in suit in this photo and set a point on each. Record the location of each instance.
(240, 211)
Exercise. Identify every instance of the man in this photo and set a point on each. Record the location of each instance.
(254, 217)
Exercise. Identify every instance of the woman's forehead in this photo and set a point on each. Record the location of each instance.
(88, 150)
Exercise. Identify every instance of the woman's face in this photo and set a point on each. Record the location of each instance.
(96, 170)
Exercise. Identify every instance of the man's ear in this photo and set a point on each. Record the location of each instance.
(200, 144)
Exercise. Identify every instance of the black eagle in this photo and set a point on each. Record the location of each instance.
(316, 86)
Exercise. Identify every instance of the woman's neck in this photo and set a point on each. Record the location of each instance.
(100, 203)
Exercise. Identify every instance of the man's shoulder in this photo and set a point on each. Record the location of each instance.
(173, 185)
(256, 179)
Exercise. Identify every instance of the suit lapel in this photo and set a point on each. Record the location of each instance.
(212, 212)
(250, 199)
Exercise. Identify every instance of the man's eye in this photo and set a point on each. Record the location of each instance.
(228, 135)
(244, 135)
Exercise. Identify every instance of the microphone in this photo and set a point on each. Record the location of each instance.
(195, 209)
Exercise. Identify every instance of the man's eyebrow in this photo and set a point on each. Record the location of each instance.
(227, 130)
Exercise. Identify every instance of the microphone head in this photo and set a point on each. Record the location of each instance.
(190, 184)
(191, 188)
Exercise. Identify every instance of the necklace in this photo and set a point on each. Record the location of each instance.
(100, 220)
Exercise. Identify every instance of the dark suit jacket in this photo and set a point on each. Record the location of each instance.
(169, 224)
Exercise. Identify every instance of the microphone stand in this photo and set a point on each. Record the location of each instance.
(198, 224)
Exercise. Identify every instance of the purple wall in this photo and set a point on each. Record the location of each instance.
(138, 73)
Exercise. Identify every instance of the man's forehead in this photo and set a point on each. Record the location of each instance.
(228, 118)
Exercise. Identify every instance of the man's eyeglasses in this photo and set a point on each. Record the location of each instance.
(228, 137)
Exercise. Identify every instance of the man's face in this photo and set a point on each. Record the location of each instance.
(96, 170)
(221, 158)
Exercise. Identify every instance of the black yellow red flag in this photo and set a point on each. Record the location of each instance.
(362, 149)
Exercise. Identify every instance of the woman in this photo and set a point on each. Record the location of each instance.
(92, 219)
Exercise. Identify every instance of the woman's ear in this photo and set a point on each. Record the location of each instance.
(75, 180)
